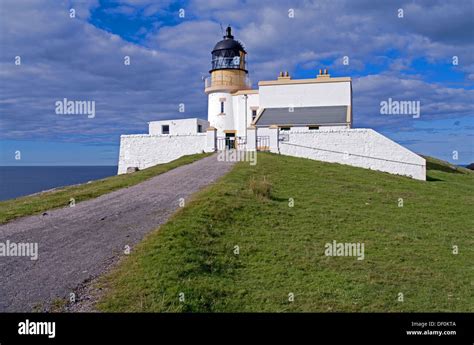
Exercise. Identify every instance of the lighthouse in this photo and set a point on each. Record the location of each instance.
(309, 118)
(229, 75)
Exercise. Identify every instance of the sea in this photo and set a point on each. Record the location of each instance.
(19, 181)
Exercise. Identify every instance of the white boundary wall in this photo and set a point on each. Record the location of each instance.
(363, 148)
(146, 150)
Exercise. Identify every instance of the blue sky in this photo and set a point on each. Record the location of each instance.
(81, 58)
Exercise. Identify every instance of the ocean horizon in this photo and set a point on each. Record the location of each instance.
(17, 181)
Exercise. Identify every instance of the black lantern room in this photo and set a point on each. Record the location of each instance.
(228, 54)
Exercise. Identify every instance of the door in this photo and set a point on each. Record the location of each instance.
(230, 141)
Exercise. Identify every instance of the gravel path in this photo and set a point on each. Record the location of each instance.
(77, 244)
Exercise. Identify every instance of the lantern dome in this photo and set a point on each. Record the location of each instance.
(228, 53)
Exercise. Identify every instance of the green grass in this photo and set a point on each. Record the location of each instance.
(37, 203)
(281, 249)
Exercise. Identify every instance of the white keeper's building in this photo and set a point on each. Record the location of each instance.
(310, 118)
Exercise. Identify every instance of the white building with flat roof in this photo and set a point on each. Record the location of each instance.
(309, 118)
(178, 127)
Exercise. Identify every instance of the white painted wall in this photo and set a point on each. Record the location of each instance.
(235, 112)
(305, 95)
(243, 118)
(332, 128)
(264, 130)
(178, 126)
(363, 148)
(321, 128)
(220, 122)
(145, 150)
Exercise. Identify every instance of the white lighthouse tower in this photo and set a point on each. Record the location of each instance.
(228, 75)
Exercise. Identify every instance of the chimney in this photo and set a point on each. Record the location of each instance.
(323, 73)
(284, 75)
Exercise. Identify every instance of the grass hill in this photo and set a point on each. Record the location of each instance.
(257, 237)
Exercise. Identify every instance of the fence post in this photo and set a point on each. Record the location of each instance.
(252, 138)
(211, 139)
(273, 133)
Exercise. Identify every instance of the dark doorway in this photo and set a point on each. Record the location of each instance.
(230, 141)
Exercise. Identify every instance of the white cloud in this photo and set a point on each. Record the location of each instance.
(64, 57)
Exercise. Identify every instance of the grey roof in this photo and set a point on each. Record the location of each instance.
(303, 116)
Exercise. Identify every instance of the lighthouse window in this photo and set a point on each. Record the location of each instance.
(165, 129)
(254, 114)
(222, 107)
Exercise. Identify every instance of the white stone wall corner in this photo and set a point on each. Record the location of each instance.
(251, 139)
(211, 140)
(273, 138)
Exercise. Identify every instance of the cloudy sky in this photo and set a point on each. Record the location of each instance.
(50, 50)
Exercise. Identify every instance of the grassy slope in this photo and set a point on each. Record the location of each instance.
(38, 203)
(407, 249)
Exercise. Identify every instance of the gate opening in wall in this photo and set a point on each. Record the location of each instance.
(263, 143)
(230, 141)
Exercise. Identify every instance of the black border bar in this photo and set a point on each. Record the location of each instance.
(242, 328)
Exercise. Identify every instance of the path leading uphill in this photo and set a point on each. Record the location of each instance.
(76, 244)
